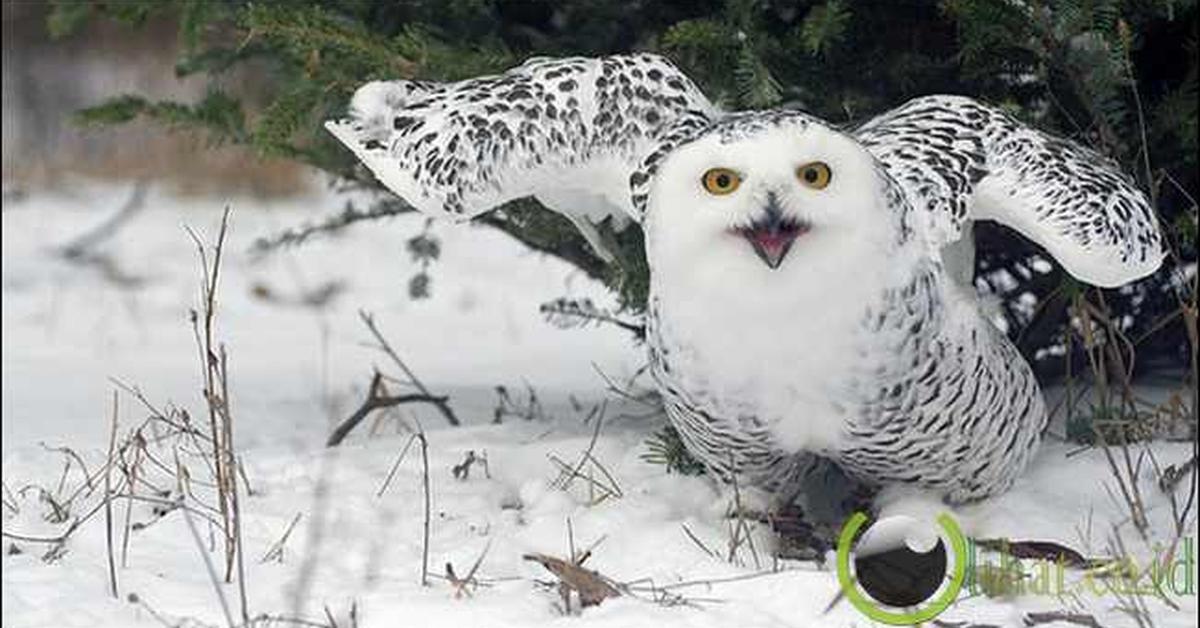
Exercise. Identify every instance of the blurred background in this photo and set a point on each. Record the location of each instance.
(48, 79)
(100, 273)
(124, 120)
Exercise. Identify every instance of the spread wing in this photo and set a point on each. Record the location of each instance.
(965, 161)
(571, 132)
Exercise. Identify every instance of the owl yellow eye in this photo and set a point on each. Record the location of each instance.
(815, 175)
(721, 181)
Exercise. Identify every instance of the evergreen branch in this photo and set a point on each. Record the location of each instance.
(307, 31)
(194, 17)
(384, 207)
(573, 313)
(444, 60)
(756, 87)
(291, 111)
(666, 447)
(216, 59)
(824, 26)
(218, 113)
(66, 18)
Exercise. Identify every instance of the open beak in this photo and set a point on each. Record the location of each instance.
(772, 235)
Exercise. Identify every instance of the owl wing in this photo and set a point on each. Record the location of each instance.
(577, 133)
(965, 161)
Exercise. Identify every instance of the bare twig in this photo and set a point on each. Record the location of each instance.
(428, 504)
(162, 620)
(1079, 619)
(10, 500)
(382, 345)
(209, 568)
(941, 623)
(215, 367)
(1173, 475)
(568, 473)
(71, 455)
(740, 531)
(75, 525)
(131, 478)
(377, 398)
(697, 541)
(266, 619)
(276, 551)
(462, 470)
(461, 584)
(649, 398)
(241, 568)
(395, 465)
(531, 410)
(108, 523)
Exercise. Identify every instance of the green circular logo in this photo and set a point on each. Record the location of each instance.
(897, 587)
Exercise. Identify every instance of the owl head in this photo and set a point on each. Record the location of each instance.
(768, 197)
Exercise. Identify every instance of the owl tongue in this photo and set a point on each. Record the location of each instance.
(773, 240)
(773, 233)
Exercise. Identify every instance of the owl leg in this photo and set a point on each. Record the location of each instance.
(813, 502)
(823, 489)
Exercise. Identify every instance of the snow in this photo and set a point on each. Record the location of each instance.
(480, 328)
(67, 329)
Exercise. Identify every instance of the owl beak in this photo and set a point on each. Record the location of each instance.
(772, 236)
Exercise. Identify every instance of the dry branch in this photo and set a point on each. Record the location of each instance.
(395, 465)
(1172, 475)
(215, 367)
(1078, 619)
(568, 473)
(138, 460)
(276, 551)
(428, 504)
(462, 470)
(377, 396)
(382, 345)
(462, 585)
(108, 524)
(377, 399)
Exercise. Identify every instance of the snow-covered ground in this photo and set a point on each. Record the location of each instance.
(68, 328)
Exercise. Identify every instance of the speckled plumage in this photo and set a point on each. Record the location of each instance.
(964, 161)
(860, 345)
(546, 126)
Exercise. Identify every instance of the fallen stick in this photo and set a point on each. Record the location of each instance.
(376, 400)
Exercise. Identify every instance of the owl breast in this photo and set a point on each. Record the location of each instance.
(916, 387)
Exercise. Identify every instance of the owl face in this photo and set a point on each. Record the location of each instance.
(766, 242)
(771, 197)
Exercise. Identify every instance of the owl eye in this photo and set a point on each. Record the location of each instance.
(721, 181)
(815, 175)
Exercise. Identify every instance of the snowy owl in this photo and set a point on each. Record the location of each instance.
(810, 288)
